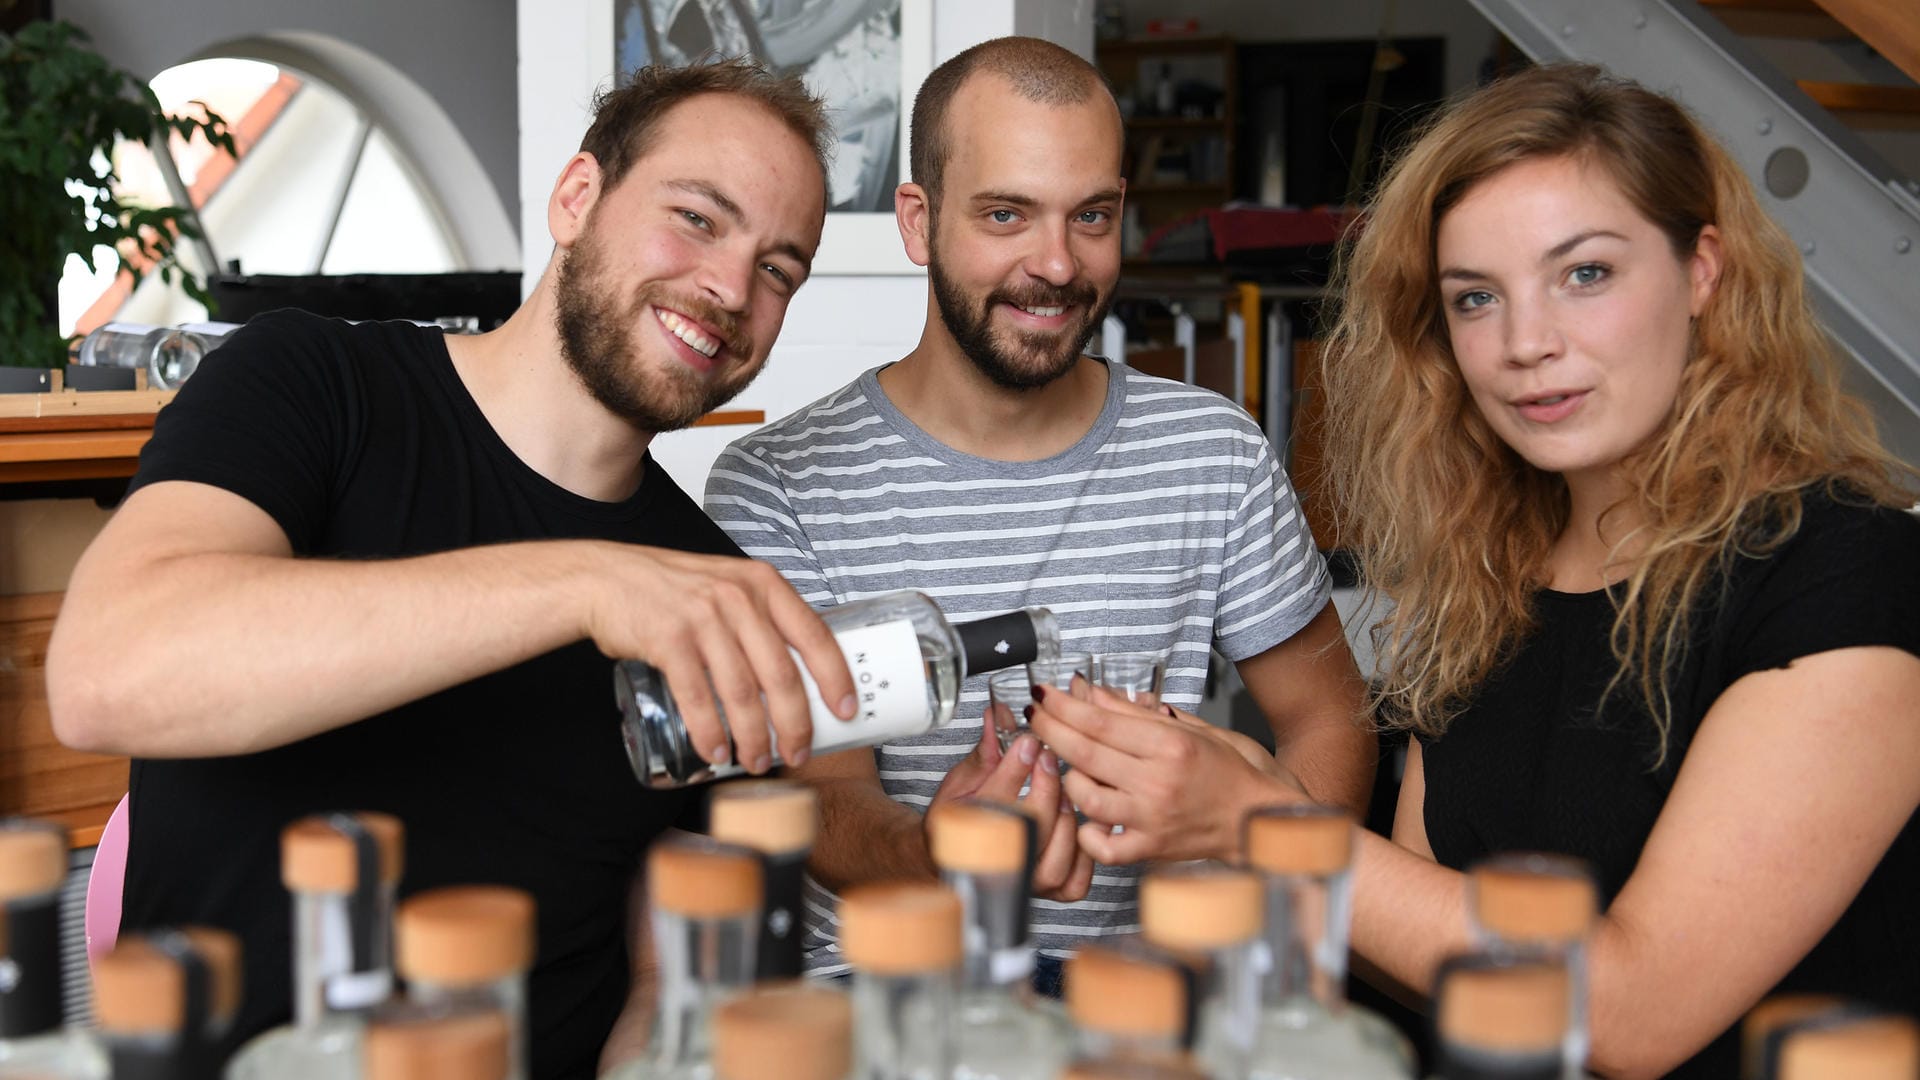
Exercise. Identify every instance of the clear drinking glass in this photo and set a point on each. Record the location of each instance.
(1009, 694)
(1059, 673)
(1136, 676)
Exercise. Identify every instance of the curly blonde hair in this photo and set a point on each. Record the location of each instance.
(1452, 524)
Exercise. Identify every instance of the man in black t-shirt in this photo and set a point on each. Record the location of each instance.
(366, 567)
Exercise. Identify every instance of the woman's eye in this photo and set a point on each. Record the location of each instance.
(695, 219)
(1477, 298)
(1587, 274)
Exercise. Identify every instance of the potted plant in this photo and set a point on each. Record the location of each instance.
(62, 109)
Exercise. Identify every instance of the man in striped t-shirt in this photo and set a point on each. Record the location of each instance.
(996, 467)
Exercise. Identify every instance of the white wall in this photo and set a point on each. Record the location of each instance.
(838, 325)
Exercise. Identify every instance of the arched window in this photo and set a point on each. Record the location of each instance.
(319, 186)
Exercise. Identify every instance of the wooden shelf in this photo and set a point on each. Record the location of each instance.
(1163, 46)
(1867, 105)
(1177, 123)
(1177, 189)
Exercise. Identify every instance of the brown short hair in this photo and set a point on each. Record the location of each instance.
(626, 117)
(1038, 70)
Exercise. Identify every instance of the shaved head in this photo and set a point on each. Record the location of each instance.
(1037, 70)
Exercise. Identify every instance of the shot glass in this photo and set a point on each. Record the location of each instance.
(1059, 673)
(1136, 676)
(1009, 693)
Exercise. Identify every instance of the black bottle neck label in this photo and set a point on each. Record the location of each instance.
(1002, 641)
(29, 968)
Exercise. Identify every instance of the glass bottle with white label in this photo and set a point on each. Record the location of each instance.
(342, 870)
(1002, 1029)
(1529, 901)
(1133, 1010)
(703, 900)
(33, 1040)
(1501, 1015)
(1214, 913)
(470, 947)
(163, 1001)
(778, 819)
(907, 662)
(1307, 1028)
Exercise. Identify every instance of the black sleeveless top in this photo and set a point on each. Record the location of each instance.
(1531, 765)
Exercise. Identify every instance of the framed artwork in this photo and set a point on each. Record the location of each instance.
(867, 58)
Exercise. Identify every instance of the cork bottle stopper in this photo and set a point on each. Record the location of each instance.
(773, 817)
(1873, 1048)
(900, 928)
(437, 1046)
(697, 878)
(315, 857)
(467, 935)
(140, 988)
(1770, 1016)
(1303, 840)
(794, 1032)
(33, 858)
(1525, 905)
(978, 838)
(1515, 1009)
(1200, 907)
(1118, 993)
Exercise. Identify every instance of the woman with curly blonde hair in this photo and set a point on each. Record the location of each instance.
(1655, 598)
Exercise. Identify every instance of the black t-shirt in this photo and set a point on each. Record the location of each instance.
(363, 443)
(1530, 766)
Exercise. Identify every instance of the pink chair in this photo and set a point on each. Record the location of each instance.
(105, 882)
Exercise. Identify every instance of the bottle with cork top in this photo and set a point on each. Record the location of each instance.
(778, 819)
(1848, 1042)
(164, 1000)
(1212, 913)
(903, 941)
(1501, 1016)
(704, 899)
(907, 663)
(33, 1038)
(411, 1041)
(1527, 902)
(470, 947)
(1307, 1029)
(342, 869)
(1133, 1012)
(793, 1032)
(1003, 1030)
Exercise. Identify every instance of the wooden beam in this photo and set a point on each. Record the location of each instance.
(1892, 27)
(1865, 105)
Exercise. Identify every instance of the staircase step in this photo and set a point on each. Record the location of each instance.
(1868, 106)
(1797, 19)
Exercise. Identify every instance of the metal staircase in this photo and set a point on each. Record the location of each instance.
(1803, 140)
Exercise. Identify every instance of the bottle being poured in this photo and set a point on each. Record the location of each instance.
(907, 662)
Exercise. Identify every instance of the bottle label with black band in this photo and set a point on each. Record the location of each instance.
(780, 930)
(30, 968)
(1002, 641)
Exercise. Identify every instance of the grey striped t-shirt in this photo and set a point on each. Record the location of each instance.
(1168, 527)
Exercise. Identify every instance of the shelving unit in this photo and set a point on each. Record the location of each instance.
(1181, 160)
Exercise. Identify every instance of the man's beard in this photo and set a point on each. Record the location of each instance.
(1029, 360)
(598, 338)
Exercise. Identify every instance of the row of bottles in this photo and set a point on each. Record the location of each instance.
(1237, 974)
(165, 1000)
